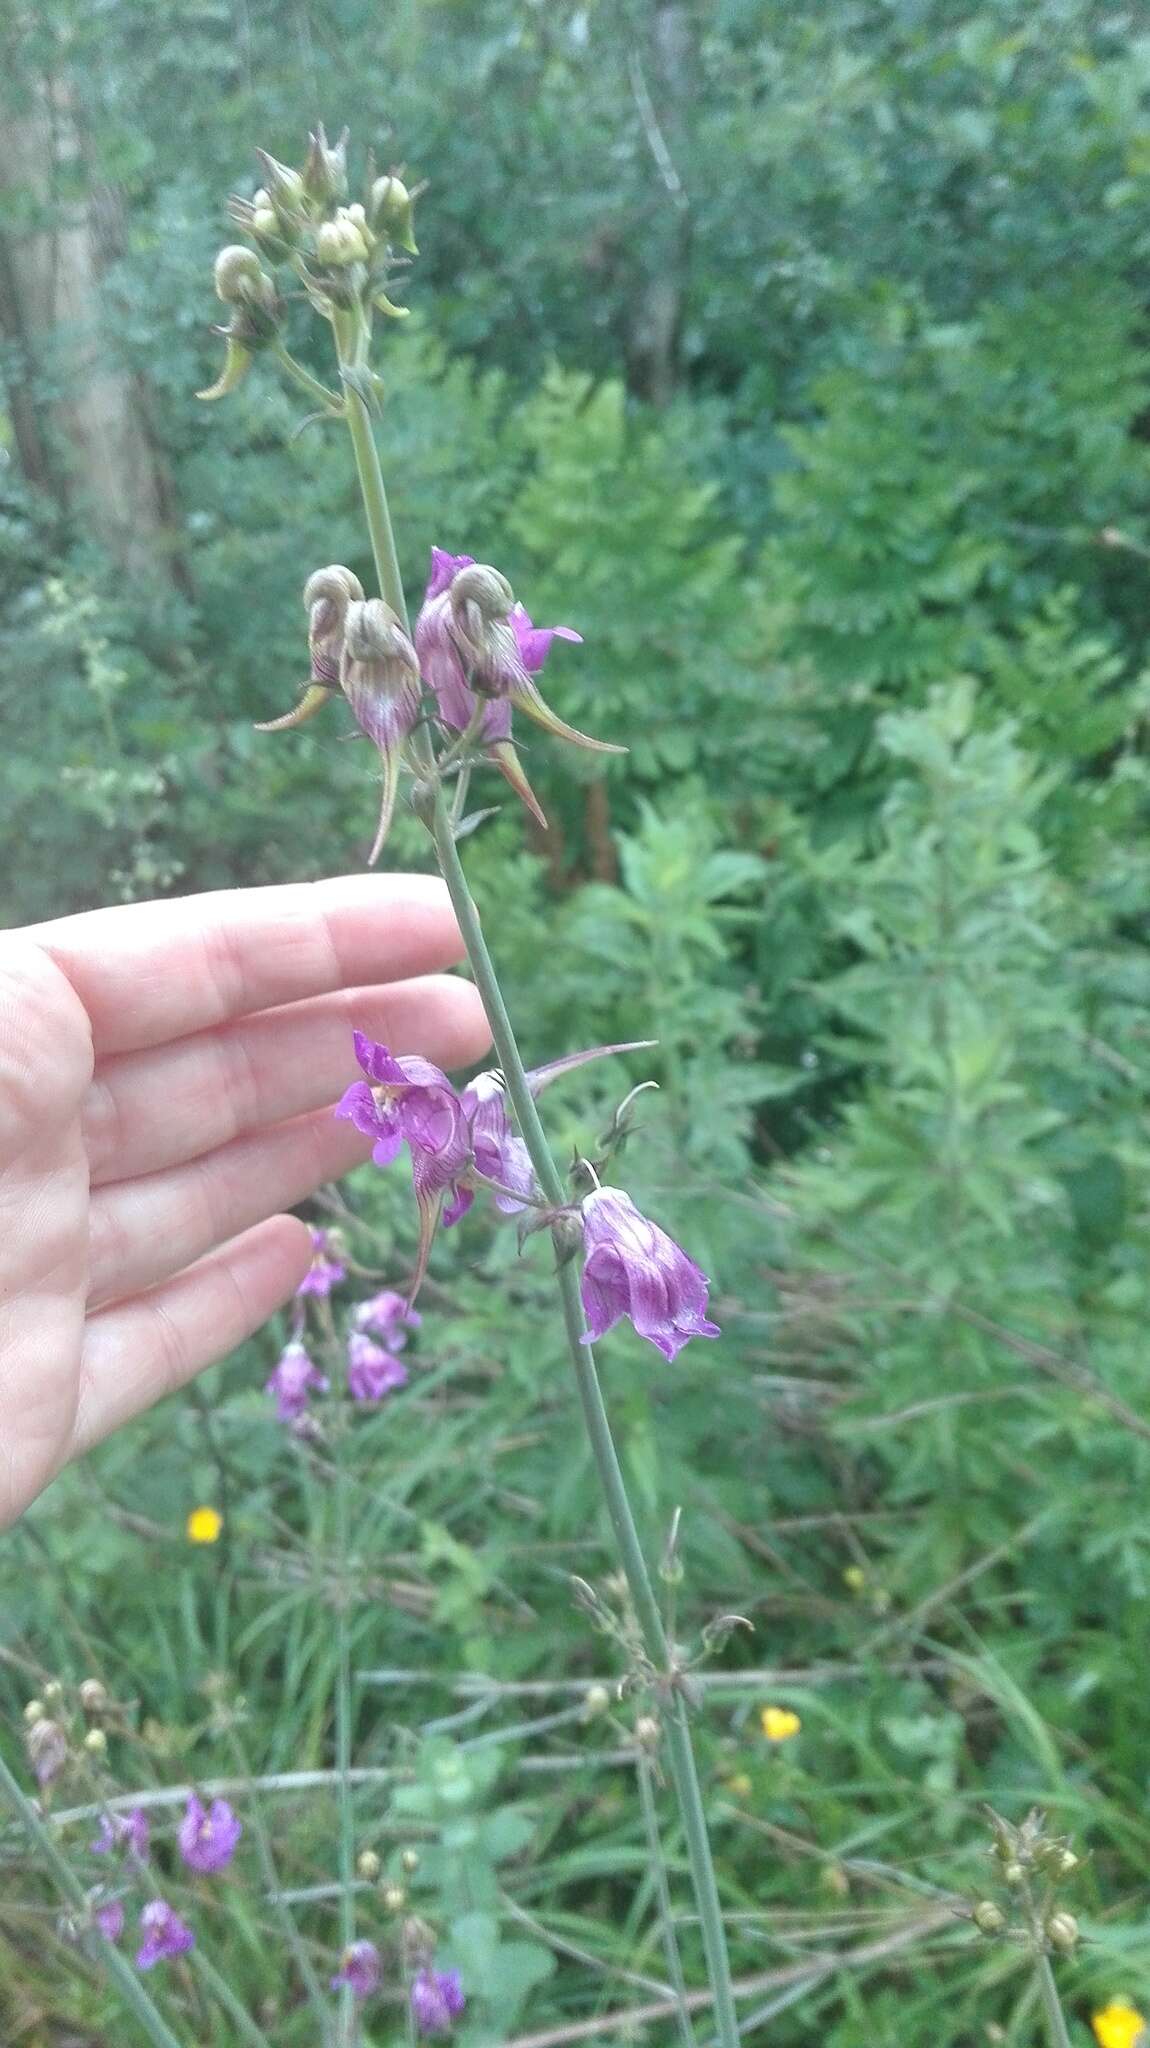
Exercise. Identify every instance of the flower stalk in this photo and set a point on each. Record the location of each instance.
(350, 335)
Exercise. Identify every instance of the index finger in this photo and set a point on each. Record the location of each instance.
(150, 972)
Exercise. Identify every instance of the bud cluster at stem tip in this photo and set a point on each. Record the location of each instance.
(299, 219)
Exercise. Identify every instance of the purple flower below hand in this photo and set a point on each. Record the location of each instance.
(359, 1968)
(371, 1371)
(293, 1379)
(325, 1272)
(208, 1835)
(109, 1919)
(436, 2000)
(128, 1831)
(388, 1317)
(165, 1935)
(632, 1268)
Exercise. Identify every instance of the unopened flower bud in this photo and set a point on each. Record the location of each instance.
(391, 212)
(647, 1732)
(1062, 1932)
(1066, 1863)
(410, 1860)
(988, 1918)
(265, 225)
(394, 1898)
(480, 585)
(368, 1865)
(417, 1939)
(47, 1750)
(1013, 1873)
(34, 1711)
(53, 1692)
(596, 1701)
(325, 171)
(96, 1742)
(285, 187)
(340, 241)
(237, 273)
(93, 1696)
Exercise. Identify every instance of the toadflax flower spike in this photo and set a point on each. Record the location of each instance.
(632, 1268)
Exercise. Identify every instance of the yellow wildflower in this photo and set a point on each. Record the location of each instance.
(740, 1786)
(1119, 2025)
(204, 1525)
(779, 1724)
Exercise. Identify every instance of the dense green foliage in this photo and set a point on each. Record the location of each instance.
(865, 597)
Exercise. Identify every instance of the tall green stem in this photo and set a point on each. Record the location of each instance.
(667, 1932)
(1051, 2004)
(103, 1952)
(680, 1753)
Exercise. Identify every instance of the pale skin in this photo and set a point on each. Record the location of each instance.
(167, 1076)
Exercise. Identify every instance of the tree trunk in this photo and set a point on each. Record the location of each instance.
(79, 416)
(660, 86)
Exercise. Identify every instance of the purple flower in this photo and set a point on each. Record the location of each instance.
(208, 1834)
(293, 1379)
(165, 1935)
(371, 1371)
(387, 1316)
(110, 1920)
(632, 1268)
(409, 1100)
(47, 1751)
(436, 2000)
(498, 1152)
(474, 643)
(128, 1831)
(325, 1272)
(359, 1968)
(379, 676)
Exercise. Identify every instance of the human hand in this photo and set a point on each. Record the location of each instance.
(167, 1072)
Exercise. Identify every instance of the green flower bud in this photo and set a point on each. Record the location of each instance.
(391, 212)
(265, 224)
(410, 1860)
(647, 1732)
(340, 241)
(1013, 1873)
(368, 1865)
(1062, 1932)
(96, 1742)
(394, 1898)
(93, 1696)
(325, 171)
(988, 1918)
(596, 1702)
(34, 1711)
(237, 272)
(285, 187)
